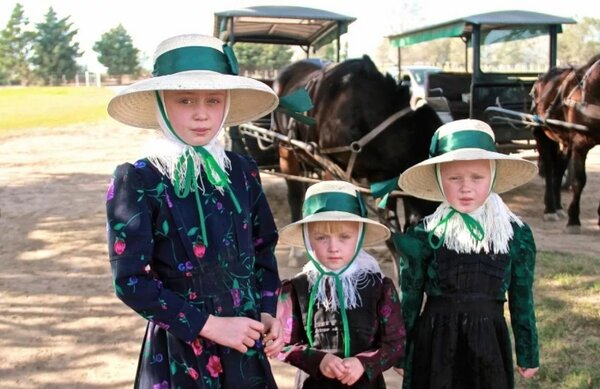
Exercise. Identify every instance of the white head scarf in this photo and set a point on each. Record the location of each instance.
(164, 153)
(493, 216)
(355, 277)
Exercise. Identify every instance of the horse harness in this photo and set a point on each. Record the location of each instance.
(592, 111)
(589, 110)
(356, 147)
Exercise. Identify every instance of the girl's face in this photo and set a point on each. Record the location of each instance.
(196, 115)
(466, 183)
(334, 243)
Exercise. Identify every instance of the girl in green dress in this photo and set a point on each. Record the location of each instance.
(463, 262)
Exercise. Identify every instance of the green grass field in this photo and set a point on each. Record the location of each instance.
(31, 107)
(568, 317)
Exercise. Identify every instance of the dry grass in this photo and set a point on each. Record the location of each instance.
(32, 107)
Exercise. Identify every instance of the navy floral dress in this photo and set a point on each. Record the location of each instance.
(164, 271)
(376, 332)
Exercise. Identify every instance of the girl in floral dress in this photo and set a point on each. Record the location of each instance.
(190, 234)
(342, 317)
(464, 261)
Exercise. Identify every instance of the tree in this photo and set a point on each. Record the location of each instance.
(54, 51)
(262, 57)
(117, 52)
(579, 42)
(15, 49)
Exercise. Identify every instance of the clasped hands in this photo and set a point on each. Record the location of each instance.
(242, 333)
(347, 370)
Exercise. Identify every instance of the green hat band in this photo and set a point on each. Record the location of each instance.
(461, 140)
(196, 58)
(334, 201)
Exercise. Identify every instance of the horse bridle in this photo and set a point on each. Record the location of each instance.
(356, 147)
(568, 100)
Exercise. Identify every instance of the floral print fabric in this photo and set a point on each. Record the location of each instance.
(165, 272)
(376, 332)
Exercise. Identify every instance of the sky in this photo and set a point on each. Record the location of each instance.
(148, 24)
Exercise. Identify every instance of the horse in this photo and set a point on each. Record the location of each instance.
(364, 125)
(572, 95)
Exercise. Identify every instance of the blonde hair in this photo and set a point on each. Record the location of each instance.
(329, 227)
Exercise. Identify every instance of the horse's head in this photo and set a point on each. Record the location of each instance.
(354, 97)
(547, 90)
(353, 100)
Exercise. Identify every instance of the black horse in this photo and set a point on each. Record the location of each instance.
(353, 102)
(571, 95)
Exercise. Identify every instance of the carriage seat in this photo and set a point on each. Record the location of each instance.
(445, 91)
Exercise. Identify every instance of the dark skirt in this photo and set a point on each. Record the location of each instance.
(462, 344)
(305, 381)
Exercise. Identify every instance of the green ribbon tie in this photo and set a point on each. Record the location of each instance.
(196, 58)
(334, 201)
(382, 189)
(475, 229)
(461, 140)
(296, 102)
(214, 173)
(339, 288)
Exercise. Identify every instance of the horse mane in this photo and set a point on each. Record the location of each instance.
(592, 60)
(292, 73)
(364, 70)
(581, 71)
(553, 73)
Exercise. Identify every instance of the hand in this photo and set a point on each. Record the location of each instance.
(238, 333)
(527, 372)
(332, 367)
(354, 370)
(399, 371)
(273, 339)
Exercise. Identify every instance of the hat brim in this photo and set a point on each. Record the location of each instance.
(250, 99)
(375, 232)
(511, 172)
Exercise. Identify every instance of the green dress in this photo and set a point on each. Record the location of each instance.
(460, 338)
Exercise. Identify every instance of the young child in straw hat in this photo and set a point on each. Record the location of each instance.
(191, 236)
(342, 319)
(465, 258)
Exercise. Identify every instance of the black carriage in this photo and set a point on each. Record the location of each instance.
(490, 87)
(310, 29)
(307, 28)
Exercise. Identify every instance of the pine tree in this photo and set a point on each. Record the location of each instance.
(117, 52)
(54, 51)
(15, 49)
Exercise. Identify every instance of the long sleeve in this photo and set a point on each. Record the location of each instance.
(297, 351)
(388, 347)
(413, 249)
(131, 248)
(265, 236)
(520, 298)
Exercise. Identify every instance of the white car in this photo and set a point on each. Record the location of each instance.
(416, 77)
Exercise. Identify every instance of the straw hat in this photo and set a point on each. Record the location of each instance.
(193, 62)
(464, 140)
(334, 201)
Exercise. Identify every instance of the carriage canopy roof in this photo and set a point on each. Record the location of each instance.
(281, 25)
(463, 27)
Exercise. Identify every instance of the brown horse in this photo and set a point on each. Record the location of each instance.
(571, 95)
(364, 126)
